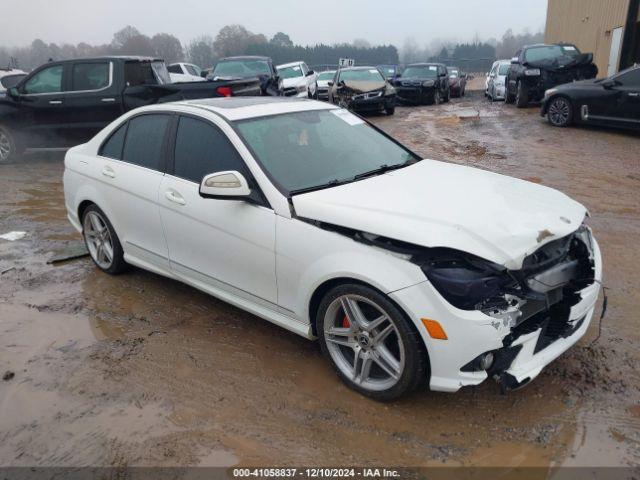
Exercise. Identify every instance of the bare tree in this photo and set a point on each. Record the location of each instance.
(234, 40)
(201, 52)
(167, 47)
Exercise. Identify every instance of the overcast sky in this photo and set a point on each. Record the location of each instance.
(306, 21)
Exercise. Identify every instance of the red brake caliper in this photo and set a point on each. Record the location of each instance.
(345, 322)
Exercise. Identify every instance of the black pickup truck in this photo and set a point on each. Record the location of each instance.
(61, 104)
(536, 68)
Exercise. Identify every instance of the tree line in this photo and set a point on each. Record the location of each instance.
(203, 51)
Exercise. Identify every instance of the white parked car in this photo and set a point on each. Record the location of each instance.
(323, 84)
(496, 80)
(9, 78)
(486, 80)
(185, 72)
(406, 270)
(298, 80)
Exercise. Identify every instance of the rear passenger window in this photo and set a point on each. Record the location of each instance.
(202, 149)
(145, 139)
(112, 148)
(90, 76)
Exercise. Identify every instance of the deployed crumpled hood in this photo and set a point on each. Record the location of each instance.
(437, 204)
(362, 87)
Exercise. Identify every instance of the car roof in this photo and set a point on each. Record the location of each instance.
(358, 68)
(242, 108)
(425, 64)
(290, 64)
(244, 57)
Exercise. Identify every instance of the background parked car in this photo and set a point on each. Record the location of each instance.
(536, 68)
(323, 84)
(362, 89)
(185, 72)
(249, 67)
(65, 103)
(496, 79)
(457, 81)
(613, 101)
(298, 80)
(9, 77)
(423, 83)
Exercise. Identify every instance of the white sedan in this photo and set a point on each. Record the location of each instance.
(185, 72)
(298, 80)
(407, 270)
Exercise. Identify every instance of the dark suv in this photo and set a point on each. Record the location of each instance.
(537, 68)
(249, 66)
(423, 83)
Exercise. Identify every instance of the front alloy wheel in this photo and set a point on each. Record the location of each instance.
(559, 112)
(369, 343)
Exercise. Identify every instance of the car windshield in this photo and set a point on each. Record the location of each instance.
(303, 150)
(429, 71)
(241, 68)
(364, 75)
(290, 72)
(326, 75)
(160, 69)
(550, 52)
(504, 69)
(388, 72)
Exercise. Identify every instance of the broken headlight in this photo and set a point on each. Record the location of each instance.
(465, 281)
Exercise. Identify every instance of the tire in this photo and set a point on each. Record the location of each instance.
(436, 98)
(10, 149)
(100, 236)
(390, 108)
(389, 356)
(522, 98)
(508, 98)
(560, 112)
(447, 97)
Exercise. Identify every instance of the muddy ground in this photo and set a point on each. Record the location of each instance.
(141, 370)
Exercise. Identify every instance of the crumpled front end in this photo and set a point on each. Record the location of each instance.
(513, 327)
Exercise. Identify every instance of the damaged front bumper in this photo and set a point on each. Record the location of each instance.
(520, 352)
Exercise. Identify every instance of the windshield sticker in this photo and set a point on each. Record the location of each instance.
(347, 116)
(296, 68)
(569, 47)
(373, 70)
(433, 67)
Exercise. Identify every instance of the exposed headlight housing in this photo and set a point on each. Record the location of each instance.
(466, 281)
(428, 83)
(532, 72)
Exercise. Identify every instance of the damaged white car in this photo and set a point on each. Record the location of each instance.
(406, 270)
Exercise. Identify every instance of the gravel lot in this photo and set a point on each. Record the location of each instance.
(141, 370)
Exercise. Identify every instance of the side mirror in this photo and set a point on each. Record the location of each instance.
(13, 92)
(330, 83)
(515, 60)
(229, 185)
(398, 75)
(609, 84)
(310, 72)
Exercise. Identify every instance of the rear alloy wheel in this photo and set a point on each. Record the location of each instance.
(369, 342)
(102, 242)
(8, 147)
(560, 112)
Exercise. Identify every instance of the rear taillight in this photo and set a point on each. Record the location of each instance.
(224, 91)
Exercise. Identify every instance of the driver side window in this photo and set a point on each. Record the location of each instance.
(48, 80)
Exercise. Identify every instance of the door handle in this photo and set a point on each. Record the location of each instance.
(108, 99)
(634, 94)
(108, 172)
(55, 102)
(174, 197)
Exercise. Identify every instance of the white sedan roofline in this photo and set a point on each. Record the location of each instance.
(290, 64)
(234, 111)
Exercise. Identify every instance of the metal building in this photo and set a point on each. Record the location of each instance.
(610, 29)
